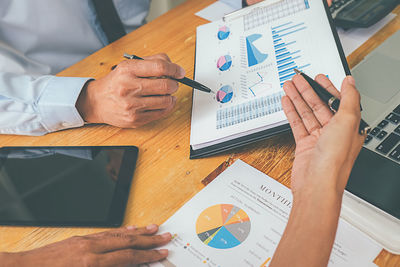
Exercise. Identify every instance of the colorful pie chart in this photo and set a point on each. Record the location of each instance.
(225, 94)
(223, 226)
(223, 33)
(224, 63)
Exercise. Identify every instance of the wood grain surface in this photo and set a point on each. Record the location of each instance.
(165, 178)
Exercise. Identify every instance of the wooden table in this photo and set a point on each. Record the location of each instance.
(165, 178)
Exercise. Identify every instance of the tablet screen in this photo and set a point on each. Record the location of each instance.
(82, 186)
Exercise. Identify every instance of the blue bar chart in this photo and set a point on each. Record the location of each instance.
(288, 52)
(249, 110)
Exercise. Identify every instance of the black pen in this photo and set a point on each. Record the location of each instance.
(332, 101)
(184, 80)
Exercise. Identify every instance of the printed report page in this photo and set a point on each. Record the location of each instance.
(246, 61)
(238, 220)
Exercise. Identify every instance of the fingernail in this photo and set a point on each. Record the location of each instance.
(163, 252)
(351, 80)
(131, 227)
(151, 227)
(166, 236)
(182, 72)
(174, 99)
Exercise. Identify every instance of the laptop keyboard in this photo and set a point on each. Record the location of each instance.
(387, 134)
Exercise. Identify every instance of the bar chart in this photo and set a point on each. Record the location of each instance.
(249, 110)
(288, 51)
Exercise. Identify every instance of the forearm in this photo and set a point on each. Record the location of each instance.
(310, 232)
(8, 259)
(36, 106)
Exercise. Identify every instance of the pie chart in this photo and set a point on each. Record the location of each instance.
(223, 226)
(224, 63)
(223, 33)
(225, 94)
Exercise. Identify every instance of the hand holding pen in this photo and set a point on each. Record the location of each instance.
(326, 143)
(184, 80)
(327, 146)
(132, 95)
(332, 101)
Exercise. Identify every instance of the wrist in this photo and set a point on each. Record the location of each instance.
(317, 201)
(85, 103)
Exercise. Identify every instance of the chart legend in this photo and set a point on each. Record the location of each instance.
(223, 226)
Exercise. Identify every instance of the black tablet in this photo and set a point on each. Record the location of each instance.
(65, 186)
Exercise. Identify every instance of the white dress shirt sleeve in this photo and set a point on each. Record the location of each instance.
(36, 106)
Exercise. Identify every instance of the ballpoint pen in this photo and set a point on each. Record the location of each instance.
(184, 80)
(332, 101)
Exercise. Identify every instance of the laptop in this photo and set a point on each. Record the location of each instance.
(372, 200)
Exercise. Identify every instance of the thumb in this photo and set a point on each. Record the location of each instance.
(350, 97)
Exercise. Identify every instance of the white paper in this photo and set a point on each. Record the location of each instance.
(215, 11)
(244, 212)
(244, 60)
(353, 248)
(354, 38)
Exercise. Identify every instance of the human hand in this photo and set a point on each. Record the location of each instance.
(327, 145)
(116, 248)
(132, 94)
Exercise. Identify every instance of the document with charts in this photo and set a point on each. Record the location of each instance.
(238, 220)
(247, 57)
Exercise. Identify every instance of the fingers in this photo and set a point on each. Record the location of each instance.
(132, 257)
(146, 86)
(157, 102)
(148, 230)
(252, 2)
(306, 114)
(327, 84)
(298, 128)
(151, 68)
(158, 86)
(320, 109)
(124, 238)
(161, 56)
(350, 101)
(111, 242)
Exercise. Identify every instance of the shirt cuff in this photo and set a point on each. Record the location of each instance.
(56, 104)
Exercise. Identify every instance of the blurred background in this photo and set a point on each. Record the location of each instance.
(159, 7)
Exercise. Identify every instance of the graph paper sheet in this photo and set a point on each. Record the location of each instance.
(247, 60)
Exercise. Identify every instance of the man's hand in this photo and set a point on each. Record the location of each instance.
(117, 248)
(326, 145)
(133, 94)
